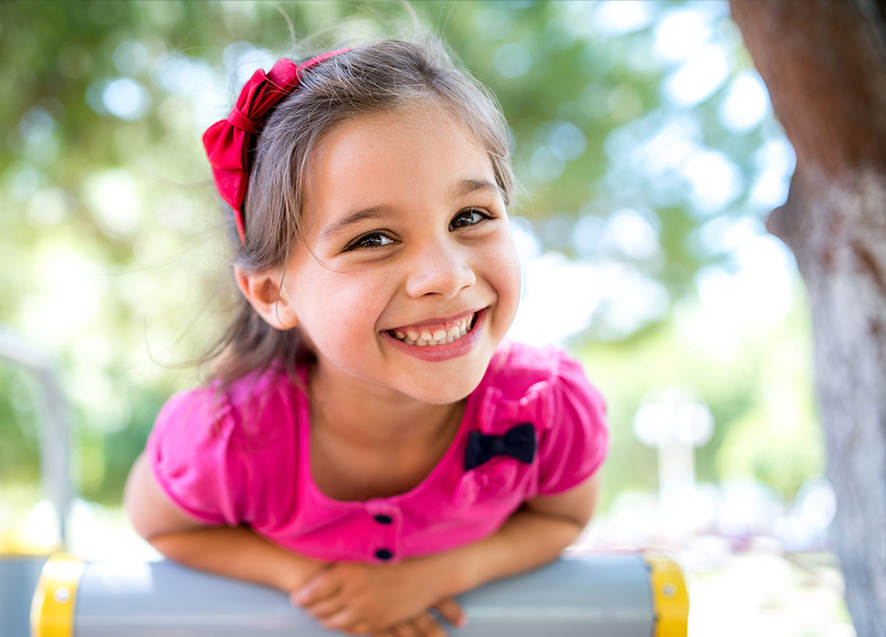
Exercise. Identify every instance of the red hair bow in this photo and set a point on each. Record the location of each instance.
(228, 141)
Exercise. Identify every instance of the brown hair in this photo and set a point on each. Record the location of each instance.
(383, 76)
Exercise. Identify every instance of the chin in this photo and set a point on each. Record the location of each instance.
(448, 393)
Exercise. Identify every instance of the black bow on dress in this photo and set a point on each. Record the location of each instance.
(517, 442)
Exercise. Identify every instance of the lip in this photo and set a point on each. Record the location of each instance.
(438, 353)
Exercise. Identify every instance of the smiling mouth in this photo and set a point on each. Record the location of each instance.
(434, 335)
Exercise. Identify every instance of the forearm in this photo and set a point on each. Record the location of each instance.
(527, 540)
(232, 551)
(240, 553)
(534, 535)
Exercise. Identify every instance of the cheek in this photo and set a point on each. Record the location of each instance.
(507, 273)
(347, 306)
(337, 332)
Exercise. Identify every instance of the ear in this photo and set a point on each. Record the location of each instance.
(265, 293)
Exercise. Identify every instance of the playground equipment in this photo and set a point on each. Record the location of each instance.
(21, 560)
(607, 595)
(604, 595)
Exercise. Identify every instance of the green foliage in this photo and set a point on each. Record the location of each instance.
(19, 453)
(112, 245)
(760, 396)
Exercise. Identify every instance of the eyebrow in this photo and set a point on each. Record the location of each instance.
(467, 186)
(375, 212)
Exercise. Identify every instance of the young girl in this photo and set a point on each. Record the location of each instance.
(369, 443)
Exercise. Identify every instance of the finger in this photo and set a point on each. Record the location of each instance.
(309, 600)
(357, 629)
(346, 620)
(324, 608)
(390, 631)
(360, 628)
(428, 626)
(451, 611)
(321, 586)
(406, 629)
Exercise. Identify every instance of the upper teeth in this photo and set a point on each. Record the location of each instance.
(441, 334)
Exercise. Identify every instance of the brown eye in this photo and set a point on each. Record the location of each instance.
(370, 240)
(467, 218)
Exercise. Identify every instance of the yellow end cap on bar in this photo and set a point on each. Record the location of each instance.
(670, 598)
(52, 610)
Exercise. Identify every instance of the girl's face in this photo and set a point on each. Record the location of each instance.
(406, 277)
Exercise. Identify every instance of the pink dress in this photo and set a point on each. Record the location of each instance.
(243, 458)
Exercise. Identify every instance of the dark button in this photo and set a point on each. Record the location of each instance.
(383, 554)
(381, 518)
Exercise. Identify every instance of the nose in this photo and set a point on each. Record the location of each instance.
(439, 268)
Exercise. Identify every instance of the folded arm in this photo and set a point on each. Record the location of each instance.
(352, 596)
(365, 598)
(236, 552)
(534, 535)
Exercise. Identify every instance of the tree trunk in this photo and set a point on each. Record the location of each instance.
(825, 66)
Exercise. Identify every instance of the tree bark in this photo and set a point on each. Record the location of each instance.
(825, 66)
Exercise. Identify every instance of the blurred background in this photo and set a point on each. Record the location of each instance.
(648, 159)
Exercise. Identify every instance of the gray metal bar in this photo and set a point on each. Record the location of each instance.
(603, 596)
(18, 579)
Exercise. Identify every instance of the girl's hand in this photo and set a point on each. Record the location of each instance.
(428, 624)
(367, 598)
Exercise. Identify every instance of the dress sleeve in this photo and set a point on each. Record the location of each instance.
(189, 452)
(576, 441)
